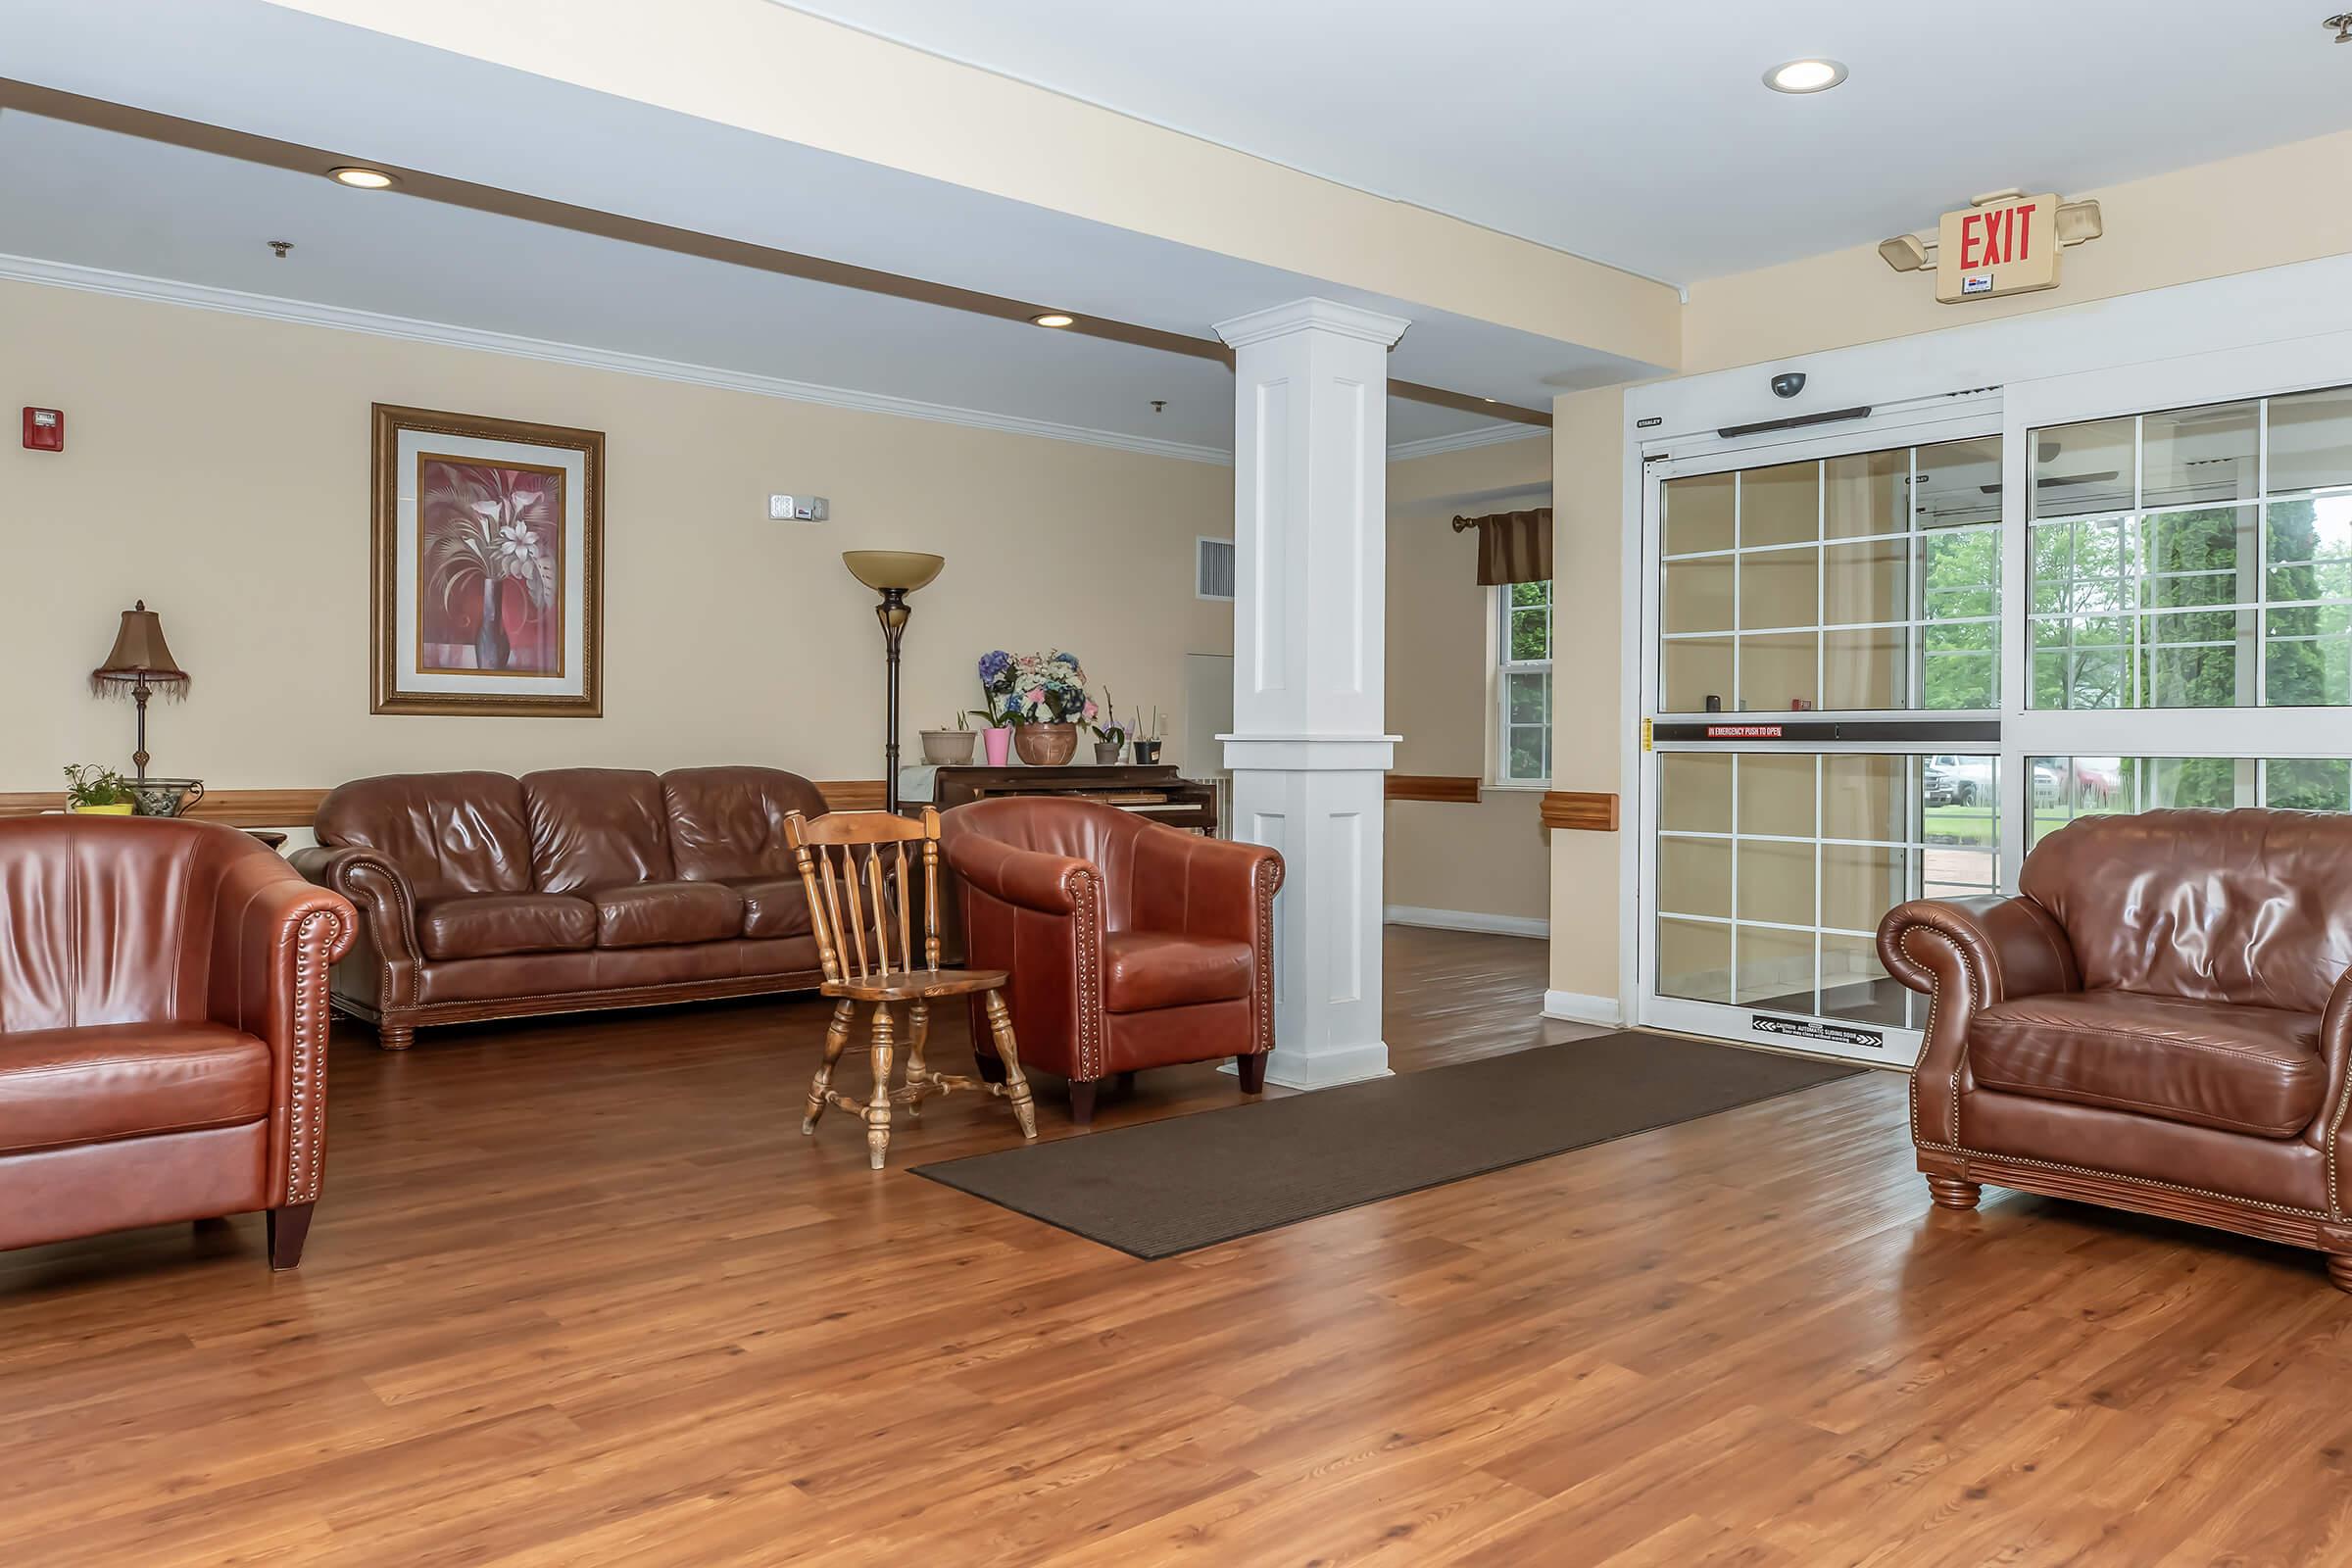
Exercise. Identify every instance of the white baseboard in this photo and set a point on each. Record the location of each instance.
(1576, 1008)
(1501, 925)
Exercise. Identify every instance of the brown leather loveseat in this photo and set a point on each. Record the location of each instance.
(2161, 1020)
(491, 897)
(1130, 944)
(162, 1029)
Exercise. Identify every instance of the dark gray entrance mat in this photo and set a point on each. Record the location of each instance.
(1189, 1182)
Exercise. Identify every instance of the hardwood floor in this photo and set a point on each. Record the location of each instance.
(581, 1292)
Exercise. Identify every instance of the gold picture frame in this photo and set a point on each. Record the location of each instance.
(486, 566)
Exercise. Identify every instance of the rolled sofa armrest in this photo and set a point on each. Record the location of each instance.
(1965, 955)
(274, 937)
(1027, 879)
(382, 972)
(1203, 887)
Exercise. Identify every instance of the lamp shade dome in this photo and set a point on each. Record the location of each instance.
(884, 569)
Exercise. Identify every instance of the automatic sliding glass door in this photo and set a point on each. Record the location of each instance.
(1823, 686)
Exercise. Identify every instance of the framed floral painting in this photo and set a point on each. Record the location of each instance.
(488, 570)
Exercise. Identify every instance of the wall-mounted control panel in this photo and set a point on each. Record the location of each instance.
(797, 508)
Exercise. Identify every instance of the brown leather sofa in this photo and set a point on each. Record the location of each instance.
(492, 897)
(2161, 1020)
(1130, 945)
(162, 1029)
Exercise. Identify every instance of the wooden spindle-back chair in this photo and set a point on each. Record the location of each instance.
(855, 868)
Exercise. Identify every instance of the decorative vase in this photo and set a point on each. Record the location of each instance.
(1106, 753)
(165, 797)
(1046, 745)
(947, 747)
(490, 645)
(999, 741)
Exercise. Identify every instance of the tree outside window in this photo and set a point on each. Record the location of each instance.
(1523, 718)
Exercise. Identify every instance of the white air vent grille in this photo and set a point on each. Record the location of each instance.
(1212, 569)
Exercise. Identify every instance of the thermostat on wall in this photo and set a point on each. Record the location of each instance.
(797, 508)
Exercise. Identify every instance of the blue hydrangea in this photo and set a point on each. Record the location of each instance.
(993, 667)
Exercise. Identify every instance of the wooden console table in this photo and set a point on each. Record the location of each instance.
(1154, 791)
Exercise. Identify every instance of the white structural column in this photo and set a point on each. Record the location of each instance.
(1309, 751)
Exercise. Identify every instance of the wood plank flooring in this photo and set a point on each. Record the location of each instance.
(579, 1293)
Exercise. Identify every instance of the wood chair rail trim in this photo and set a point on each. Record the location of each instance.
(1450, 789)
(1580, 811)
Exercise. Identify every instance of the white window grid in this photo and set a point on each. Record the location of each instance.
(1914, 849)
(1506, 665)
(1915, 537)
(2128, 587)
(2250, 786)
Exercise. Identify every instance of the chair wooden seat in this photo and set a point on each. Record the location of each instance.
(835, 853)
(917, 985)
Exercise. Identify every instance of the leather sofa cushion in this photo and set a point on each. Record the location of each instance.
(486, 925)
(446, 832)
(774, 905)
(108, 1081)
(2210, 1064)
(648, 914)
(1147, 969)
(728, 822)
(596, 827)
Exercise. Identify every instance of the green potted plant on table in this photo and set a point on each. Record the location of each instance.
(96, 791)
(1110, 736)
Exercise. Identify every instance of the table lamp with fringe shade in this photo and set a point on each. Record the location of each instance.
(893, 574)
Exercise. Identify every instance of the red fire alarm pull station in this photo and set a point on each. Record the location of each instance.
(45, 429)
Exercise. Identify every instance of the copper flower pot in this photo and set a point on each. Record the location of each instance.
(1046, 745)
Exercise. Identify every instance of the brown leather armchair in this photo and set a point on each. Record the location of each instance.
(162, 1029)
(1130, 945)
(2161, 1021)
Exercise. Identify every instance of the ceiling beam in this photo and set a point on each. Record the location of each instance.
(295, 157)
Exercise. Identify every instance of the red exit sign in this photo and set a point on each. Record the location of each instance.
(2002, 245)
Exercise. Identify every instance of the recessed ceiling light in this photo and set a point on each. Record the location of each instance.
(364, 178)
(1806, 75)
(1053, 318)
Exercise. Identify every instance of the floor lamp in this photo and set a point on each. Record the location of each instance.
(893, 574)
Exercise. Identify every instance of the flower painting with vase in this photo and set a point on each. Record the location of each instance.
(1040, 698)
(488, 534)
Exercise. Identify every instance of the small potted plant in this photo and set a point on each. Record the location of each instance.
(96, 791)
(1110, 736)
(949, 748)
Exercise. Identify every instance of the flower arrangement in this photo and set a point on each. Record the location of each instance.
(1047, 688)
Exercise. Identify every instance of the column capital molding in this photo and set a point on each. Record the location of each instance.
(1312, 314)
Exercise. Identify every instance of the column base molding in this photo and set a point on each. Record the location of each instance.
(1326, 1069)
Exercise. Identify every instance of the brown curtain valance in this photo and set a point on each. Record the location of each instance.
(1512, 546)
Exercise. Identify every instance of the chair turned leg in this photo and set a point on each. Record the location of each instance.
(2339, 1270)
(1950, 1192)
(918, 1032)
(1008, 1060)
(837, 1038)
(289, 1228)
(1253, 1069)
(395, 1035)
(1082, 1101)
(877, 1105)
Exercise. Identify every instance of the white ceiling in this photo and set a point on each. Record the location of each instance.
(1640, 134)
(96, 199)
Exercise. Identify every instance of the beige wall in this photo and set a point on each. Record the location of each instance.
(1588, 730)
(1487, 858)
(216, 465)
(2264, 209)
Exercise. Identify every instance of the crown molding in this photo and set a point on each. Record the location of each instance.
(304, 313)
(1485, 435)
(1315, 312)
